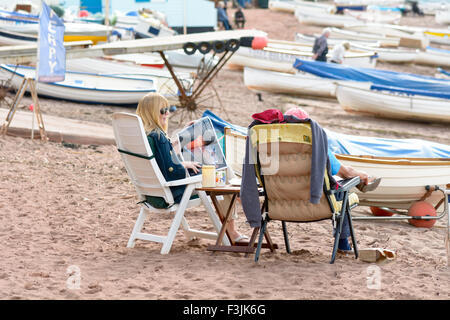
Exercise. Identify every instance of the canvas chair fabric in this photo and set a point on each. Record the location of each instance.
(283, 153)
(148, 180)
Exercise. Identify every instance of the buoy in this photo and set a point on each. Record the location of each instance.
(83, 14)
(423, 209)
(376, 211)
(259, 43)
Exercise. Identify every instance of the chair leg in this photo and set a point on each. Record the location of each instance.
(260, 240)
(336, 237)
(137, 227)
(286, 237)
(177, 220)
(352, 233)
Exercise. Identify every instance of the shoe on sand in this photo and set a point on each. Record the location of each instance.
(241, 238)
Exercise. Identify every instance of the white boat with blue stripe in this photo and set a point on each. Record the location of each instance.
(86, 87)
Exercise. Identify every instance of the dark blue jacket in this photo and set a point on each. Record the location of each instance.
(168, 161)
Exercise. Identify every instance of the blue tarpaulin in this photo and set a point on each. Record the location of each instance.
(381, 79)
(359, 145)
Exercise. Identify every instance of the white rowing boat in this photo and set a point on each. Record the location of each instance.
(403, 179)
(392, 55)
(297, 84)
(433, 57)
(384, 41)
(86, 87)
(291, 6)
(375, 16)
(277, 57)
(162, 78)
(358, 97)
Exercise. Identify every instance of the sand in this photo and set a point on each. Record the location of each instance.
(68, 210)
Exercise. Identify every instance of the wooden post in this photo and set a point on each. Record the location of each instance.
(27, 82)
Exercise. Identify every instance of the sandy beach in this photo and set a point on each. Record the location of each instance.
(68, 211)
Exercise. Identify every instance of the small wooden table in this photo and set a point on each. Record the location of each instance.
(241, 246)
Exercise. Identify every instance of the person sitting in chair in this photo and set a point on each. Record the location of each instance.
(367, 183)
(222, 16)
(239, 18)
(153, 109)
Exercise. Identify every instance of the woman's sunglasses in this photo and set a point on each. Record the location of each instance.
(164, 110)
(170, 109)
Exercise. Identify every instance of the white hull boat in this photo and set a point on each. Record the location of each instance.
(358, 97)
(324, 19)
(442, 17)
(282, 60)
(392, 55)
(86, 87)
(433, 58)
(297, 84)
(403, 179)
(360, 36)
(162, 79)
(374, 16)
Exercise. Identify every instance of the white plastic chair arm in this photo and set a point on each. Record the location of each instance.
(185, 181)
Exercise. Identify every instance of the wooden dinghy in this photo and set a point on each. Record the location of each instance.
(86, 87)
(403, 179)
(161, 78)
(359, 97)
(297, 84)
(403, 183)
(280, 56)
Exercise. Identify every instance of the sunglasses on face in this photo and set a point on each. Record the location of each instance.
(164, 110)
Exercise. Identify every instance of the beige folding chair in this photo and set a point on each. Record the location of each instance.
(284, 153)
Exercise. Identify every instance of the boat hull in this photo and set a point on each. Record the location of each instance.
(360, 98)
(403, 180)
(87, 88)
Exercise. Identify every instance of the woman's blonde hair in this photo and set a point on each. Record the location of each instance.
(148, 109)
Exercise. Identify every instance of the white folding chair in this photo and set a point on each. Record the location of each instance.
(148, 180)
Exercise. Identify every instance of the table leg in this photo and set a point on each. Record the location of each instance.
(224, 219)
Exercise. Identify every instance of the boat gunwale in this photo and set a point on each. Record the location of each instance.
(396, 160)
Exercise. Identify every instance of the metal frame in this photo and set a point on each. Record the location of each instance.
(429, 190)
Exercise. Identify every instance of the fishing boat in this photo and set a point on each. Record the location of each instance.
(280, 55)
(391, 55)
(86, 87)
(442, 16)
(391, 103)
(407, 37)
(404, 179)
(162, 78)
(73, 31)
(291, 6)
(336, 33)
(297, 84)
(433, 57)
(375, 16)
(309, 39)
(323, 19)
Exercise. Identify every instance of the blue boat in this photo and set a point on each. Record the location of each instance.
(408, 83)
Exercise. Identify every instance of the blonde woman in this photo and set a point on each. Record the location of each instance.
(153, 109)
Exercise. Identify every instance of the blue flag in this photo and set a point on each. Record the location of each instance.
(51, 51)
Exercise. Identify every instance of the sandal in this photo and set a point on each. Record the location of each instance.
(369, 187)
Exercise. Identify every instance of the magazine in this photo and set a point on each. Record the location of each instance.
(199, 143)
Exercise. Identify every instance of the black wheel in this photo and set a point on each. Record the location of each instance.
(189, 48)
(219, 46)
(232, 45)
(204, 47)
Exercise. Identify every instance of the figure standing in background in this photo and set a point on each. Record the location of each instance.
(239, 18)
(320, 48)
